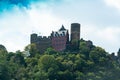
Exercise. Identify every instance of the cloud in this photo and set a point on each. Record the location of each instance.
(107, 37)
(13, 29)
(17, 25)
(10, 4)
(99, 24)
(113, 3)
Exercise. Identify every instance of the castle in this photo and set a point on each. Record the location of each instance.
(58, 40)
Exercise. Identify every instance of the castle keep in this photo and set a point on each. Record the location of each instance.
(58, 40)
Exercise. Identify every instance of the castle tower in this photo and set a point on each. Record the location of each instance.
(75, 31)
(60, 39)
(75, 36)
(33, 38)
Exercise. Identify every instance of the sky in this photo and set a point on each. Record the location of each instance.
(99, 21)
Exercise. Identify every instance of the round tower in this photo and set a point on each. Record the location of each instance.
(75, 31)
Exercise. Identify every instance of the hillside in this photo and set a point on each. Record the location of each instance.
(89, 62)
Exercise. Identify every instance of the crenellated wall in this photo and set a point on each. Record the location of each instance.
(42, 42)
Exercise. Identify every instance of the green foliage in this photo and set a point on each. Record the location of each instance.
(75, 45)
(90, 63)
(86, 47)
(98, 55)
(47, 61)
(32, 48)
(4, 71)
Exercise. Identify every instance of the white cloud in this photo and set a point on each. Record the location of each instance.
(113, 3)
(43, 20)
(110, 34)
(17, 25)
(107, 37)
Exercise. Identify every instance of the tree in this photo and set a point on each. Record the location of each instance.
(49, 65)
(84, 48)
(118, 53)
(4, 66)
(41, 75)
(97, 53)
(32, 48)
(65, 75)
(50, 51)
(75, 45)
(4, 71)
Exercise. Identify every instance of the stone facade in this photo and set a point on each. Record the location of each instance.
(58, 40)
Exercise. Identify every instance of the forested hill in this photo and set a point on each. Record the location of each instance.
(89, 63)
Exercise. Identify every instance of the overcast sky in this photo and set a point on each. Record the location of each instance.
(99, 19)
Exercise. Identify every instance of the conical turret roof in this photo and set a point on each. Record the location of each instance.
(62, 28)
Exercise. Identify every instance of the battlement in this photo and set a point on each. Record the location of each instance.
(44, 37)
(35, 38)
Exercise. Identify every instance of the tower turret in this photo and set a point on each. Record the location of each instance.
(75, 31)
(33, 38)
(75, 36)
